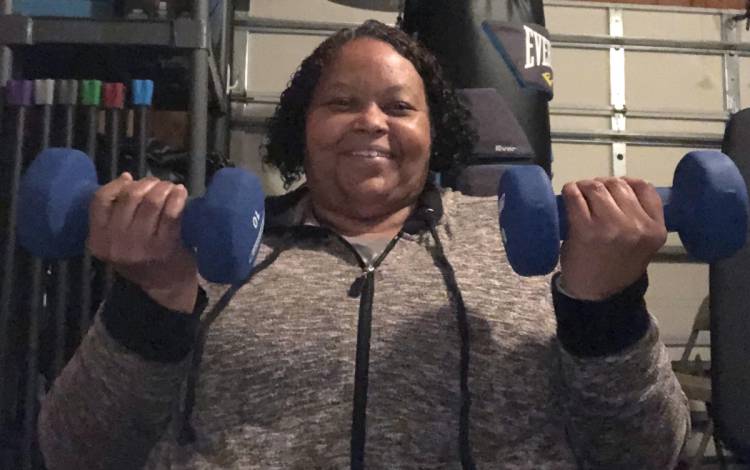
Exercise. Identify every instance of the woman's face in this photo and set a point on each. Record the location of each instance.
(367, 132)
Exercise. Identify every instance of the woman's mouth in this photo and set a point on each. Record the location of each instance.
(370, 153)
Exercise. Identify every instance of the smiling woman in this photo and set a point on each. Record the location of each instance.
(368, 140)
(382, 326)
(451, 137)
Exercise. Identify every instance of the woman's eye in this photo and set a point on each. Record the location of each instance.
(401, 107)
(340, 103)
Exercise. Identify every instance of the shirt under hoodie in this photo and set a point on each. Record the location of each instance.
(268, 367)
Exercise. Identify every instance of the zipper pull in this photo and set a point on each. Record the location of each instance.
(355, 290)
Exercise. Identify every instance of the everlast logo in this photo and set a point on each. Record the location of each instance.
(547, 78)
(537, 49)
(527, 50)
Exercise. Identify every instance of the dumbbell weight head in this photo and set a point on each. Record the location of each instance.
(53, 209)
(224, 227)
(708, 205)
(529, 222)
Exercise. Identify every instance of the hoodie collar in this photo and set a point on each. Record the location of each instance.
(289, 210)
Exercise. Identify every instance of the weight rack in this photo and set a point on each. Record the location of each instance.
(46, 307)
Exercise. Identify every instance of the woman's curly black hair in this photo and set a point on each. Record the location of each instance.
(453, 137)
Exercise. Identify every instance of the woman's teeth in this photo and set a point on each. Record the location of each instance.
(369, 154)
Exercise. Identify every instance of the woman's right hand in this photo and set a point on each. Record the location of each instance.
(135, 226)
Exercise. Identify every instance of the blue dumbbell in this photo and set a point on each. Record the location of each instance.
(223, 228)
(707, 205)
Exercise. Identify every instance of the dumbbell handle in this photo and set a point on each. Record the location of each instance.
(85, 190)
(671, 217)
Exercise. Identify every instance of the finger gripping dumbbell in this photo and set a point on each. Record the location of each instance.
(707, 205)
(223, 228)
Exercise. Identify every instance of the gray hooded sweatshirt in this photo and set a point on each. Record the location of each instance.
(466, 362)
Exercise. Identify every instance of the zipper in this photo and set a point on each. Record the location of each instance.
(361, 371)
(364, 288)
(355, 290)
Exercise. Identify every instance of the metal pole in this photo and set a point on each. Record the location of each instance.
(141, 114)
(650, 139)
(617, 93)
(114, 101)
(199, 108)
(19, 96)
(66, 94)
(6, 59)
(225, 44)
(44, 92)
(92, 88)
(632, 6)
(6, 62)
(731, 65)
(221, 123)
(32, 365)
(569, 41)
(671, 115)
(91, 99)
(113, 105)
(283, 26)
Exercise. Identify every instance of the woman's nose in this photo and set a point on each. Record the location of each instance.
(371, 119)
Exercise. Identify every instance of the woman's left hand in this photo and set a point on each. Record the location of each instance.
(615, 226)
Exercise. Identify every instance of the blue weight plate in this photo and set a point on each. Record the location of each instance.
(53, 203)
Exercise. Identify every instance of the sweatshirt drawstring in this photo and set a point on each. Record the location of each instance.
(459, 308)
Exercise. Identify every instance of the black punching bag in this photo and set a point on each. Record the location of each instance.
(476, 42)
(730, 318)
